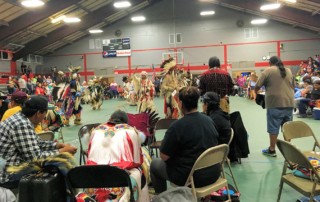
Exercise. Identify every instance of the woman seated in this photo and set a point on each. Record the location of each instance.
(304, 92)
(118, 144)
(304, 103)
(221, 119)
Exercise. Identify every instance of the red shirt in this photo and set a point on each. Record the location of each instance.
(40, 91)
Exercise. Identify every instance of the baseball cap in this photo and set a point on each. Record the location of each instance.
(211, 98)
(37, 103)
(19, 97)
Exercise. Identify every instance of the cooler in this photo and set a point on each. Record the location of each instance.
(316, 113)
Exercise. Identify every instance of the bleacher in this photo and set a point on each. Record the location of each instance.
(3, 85)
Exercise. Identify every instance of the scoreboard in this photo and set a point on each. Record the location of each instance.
(116, 47)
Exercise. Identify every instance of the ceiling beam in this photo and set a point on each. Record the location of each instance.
(87, 21)
(35, 16)
(3, 22)
(36, 33)
(66, 41)
(286, 13)
(83, 8)
(315, 12)
(315, 1)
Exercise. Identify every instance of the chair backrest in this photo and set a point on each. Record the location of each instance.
(164, 124)
(86, 129)
(294, 156)
(231, 137)
(46, 135)
(296, 129)
(140, 121)
(210, 157)
(99, 176)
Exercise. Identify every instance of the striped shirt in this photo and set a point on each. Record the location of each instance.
(19, 143)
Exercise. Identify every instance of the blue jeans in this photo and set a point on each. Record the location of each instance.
(303, 104)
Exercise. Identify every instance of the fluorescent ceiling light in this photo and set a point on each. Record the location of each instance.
(138, 18)
(58, 19)
(95, 31)
(266, 7)
(122, 4)
(259, 21)
(71, 20)
(207, 13)
(291, 1)
(32, 3)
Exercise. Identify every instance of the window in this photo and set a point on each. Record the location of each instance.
(172, 39)
(38, 59)
(178, 37)
(250, 33)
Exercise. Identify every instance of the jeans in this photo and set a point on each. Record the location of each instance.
(303, 104)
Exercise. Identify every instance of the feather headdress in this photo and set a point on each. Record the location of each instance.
(167, 65)
(63, 161)
(73, 69)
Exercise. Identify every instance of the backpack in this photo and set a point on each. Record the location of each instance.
(221, 195)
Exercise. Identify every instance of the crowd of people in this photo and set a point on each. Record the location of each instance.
(119, 144)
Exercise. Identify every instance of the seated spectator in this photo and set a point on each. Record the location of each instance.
(303, 93)
(15, 105)
(221, 119)
(120, 91)
(305, 102)
(22, 84)
(39, 90)
(10, 85)
(113, 148)
(118, 144)
(184, 141)
(20, 144)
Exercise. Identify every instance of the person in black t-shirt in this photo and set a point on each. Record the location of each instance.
(184, 141)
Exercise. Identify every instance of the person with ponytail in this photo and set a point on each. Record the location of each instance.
(279, 99)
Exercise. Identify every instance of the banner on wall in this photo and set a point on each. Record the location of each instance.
(116, 47)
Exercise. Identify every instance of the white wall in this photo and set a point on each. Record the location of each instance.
(196, 31)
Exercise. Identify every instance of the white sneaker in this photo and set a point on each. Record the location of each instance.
(296, 112)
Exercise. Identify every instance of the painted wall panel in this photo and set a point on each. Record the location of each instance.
(178, 16)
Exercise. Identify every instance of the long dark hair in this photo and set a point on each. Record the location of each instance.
(276, 61)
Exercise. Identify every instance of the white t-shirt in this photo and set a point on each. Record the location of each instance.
(22, 83)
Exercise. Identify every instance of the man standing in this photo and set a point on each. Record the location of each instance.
(19, 142)
(279, 99)
(73, 106)
(217, 80)
(169, 87)
(145, 90)
(185, 140)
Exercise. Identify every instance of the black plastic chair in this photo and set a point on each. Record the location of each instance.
(98, 176)
(162, 124)
(82, 131)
